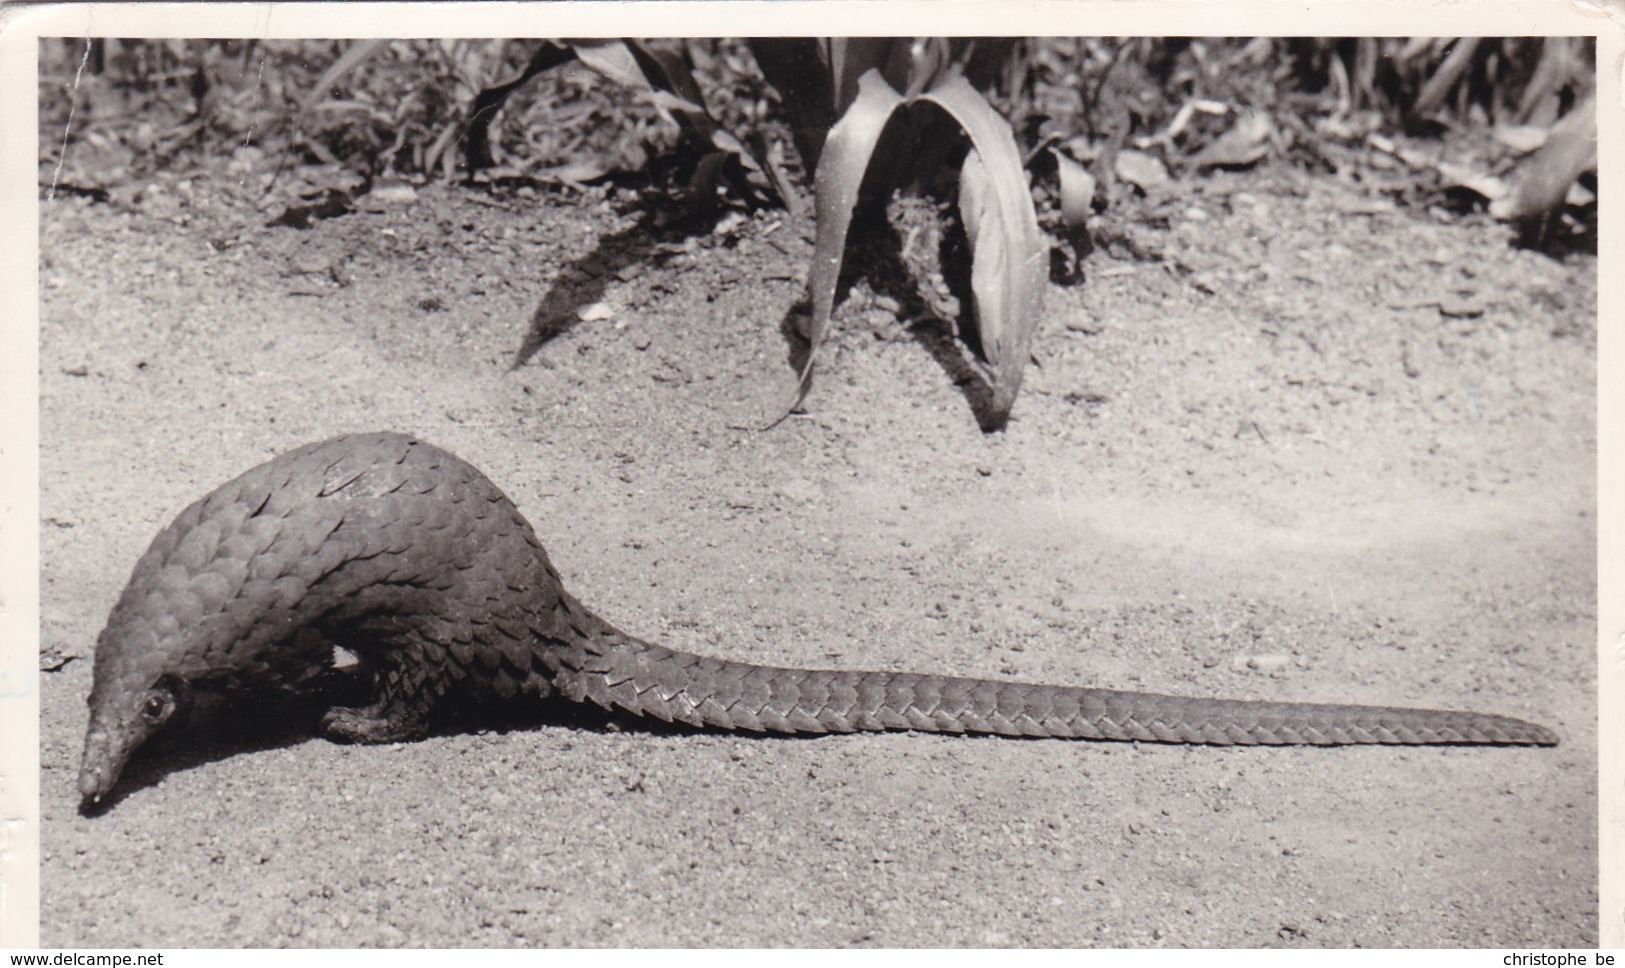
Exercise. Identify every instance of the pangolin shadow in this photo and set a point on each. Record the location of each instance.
(221, 730)
(218, 728)
(213, 729)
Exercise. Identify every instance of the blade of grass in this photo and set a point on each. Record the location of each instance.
(1444, 79)
(352, 58)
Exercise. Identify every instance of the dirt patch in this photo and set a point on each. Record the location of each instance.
(1350, 439)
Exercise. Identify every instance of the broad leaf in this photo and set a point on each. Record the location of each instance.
(1009, 265)
(665, 79)
(615, 60)
(850, 58)
(611, 58)
(1541, 181)
(477, 142)
(927, 58)
(798, 69)
(841, 167)
(672, 69)
(1077, 191)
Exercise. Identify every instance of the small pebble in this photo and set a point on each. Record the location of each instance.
(52, 659)
(593, 312)
(1262, 663)
(399, 193)
(800, 490)
(1460, 307)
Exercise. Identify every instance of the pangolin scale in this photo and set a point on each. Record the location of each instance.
(412, 559)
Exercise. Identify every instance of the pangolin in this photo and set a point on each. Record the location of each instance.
(410, 558)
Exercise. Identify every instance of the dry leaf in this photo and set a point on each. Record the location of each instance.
(1141, 170)
(1247, 142)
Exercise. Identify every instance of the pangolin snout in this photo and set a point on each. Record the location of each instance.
(100, 768)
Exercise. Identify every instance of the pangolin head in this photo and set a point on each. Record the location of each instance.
(182, 623)
(146, 663)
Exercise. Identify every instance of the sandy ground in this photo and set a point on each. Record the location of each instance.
(1269, 465)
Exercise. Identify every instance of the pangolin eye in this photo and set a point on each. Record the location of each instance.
(154, 708)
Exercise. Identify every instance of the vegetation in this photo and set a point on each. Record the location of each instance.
(1094, 128)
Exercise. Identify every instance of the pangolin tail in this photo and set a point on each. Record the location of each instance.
(619, 672)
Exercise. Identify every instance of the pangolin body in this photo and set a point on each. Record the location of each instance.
(412, 559)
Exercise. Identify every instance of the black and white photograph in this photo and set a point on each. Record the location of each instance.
(870, 481)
